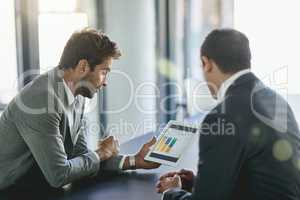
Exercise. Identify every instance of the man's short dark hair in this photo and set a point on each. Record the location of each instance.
(229, 49)
(89, 44)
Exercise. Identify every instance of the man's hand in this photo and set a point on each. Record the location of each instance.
(187, 179)
(169, 182)
(107, 148)
(139, 157)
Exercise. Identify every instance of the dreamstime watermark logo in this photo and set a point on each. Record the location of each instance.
(52, 97)
(220, 127)
(145, 97)
(272, 108)
(122, 127)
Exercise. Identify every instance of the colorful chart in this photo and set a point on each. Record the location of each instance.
(166, 144)
(174, 139)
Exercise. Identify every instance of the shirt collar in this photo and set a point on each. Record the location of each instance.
(70, 95)
(228, 82)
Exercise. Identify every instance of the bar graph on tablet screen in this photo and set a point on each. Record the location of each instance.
(165, 144)
(172, 143)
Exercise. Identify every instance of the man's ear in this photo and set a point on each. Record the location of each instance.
(206, 63)
(83, 67)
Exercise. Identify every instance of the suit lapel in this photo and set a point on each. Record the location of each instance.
(56, 81)
(56, 78)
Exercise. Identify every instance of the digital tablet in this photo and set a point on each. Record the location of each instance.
(175, 138)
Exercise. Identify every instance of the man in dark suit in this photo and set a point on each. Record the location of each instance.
(249, 143)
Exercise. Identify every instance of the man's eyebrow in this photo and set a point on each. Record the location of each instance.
(106, 68)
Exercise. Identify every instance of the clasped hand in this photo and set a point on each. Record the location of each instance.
(183, 179)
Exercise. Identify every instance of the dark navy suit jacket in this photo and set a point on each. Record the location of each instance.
(249, 148)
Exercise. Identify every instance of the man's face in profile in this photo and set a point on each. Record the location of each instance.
(94, 79)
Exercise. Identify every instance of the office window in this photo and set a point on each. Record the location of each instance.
(130, 95)
(8, 67)
(58, 19)
(273, 31)
(201, 16)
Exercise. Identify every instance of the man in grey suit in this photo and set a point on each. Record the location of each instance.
(42, 140)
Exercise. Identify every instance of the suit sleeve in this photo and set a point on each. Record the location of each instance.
(176, 194)
(221, 153)
(112, 164)
(42, 135)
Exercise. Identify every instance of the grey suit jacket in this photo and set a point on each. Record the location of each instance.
(33, 128)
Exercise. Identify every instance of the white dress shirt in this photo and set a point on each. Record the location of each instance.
(74, 135)
(72, 106)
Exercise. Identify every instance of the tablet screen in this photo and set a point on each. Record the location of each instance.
(172, 142)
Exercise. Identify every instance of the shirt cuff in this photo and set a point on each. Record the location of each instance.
(97, 156)
(121, 164)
